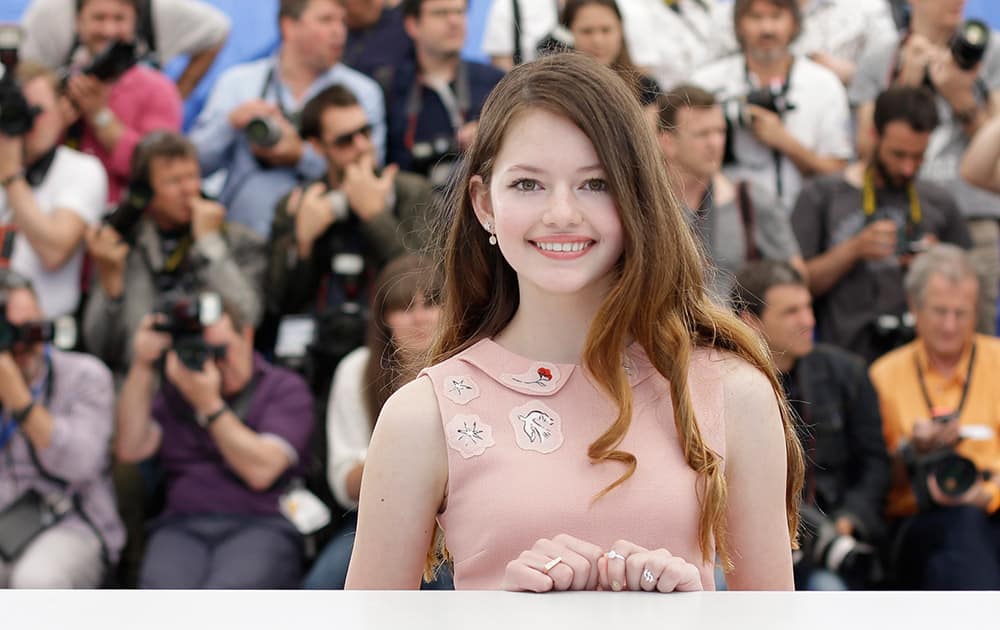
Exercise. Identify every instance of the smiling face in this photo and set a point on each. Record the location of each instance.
(556, 221)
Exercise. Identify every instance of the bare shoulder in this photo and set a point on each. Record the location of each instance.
(412, 412)
(749, 399)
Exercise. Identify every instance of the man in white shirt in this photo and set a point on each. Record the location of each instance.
(803, 130)
(48, 195)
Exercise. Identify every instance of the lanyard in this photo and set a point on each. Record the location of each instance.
(869, 205)
(965, 387)
(457, 103)
(273, 83)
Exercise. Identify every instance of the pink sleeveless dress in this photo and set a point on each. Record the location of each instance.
(517, 434)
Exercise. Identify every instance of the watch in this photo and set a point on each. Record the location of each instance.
(20, 415)
(103, 118)
(10, 179)
(204, 421)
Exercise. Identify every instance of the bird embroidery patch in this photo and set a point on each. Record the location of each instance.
(536, 427)
(460, 390)
(469, 435)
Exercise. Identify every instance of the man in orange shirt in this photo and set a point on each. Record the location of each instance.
(941, 418)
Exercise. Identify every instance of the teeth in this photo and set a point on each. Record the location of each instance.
(563, 247)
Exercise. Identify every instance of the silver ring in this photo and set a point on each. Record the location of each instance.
(552, 563)
(647, 576)
(614, 554)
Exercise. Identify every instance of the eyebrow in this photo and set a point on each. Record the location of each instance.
(537, 169)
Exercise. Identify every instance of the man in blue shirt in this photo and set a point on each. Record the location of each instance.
(377, 43)
(434, 103)
(249, 125)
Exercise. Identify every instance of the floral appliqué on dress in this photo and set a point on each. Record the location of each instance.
(469, 435)
(460, 390)
(542, 377)
(536, 427)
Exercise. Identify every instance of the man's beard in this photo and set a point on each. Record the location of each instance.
(768, 56)
(891, 181)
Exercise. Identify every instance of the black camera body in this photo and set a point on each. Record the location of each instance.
(855, 561)
(954, 474)
(773, 98)
(968, 46)
(184, 317)
(27, 333)
(436, 159)
(110, 64)
(127, 214)
(17, 116)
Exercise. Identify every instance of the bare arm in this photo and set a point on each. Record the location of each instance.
(877, 240)
(258, 459)
(981, 164)
(756, 468)
(196, 69)
(866, 131)
(137, 436)
(808, 161)
(55, 236)
(401, 493)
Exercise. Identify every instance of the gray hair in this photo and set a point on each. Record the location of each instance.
(943, 259)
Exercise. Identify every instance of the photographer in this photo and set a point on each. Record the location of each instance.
(941, 413)
(960, 63)
(249, 126)
(788, 115)
(229, 438)
(847, 470)
(117, 111)
(434, 103)
(55, 425)
(48, 193)
(859, 230)
(182, 243)
(167, 29)
(356, 212)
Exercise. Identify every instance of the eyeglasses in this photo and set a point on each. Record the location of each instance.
(345, 140)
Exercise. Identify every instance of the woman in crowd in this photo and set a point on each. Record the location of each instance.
(596, 26)
(403, 319)
(590, 420)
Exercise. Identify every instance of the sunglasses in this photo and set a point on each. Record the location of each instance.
(345, 140)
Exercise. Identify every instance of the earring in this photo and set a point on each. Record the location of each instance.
(489, 228)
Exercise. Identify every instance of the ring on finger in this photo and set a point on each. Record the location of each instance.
(648, 577)
(551, 564)
(612, 555)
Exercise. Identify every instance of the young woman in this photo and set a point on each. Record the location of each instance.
(403, 320)
(591, 420)
(596, 26)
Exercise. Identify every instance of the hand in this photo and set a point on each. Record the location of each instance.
(88, 94)
(466, 134)
(843, 68)
(576, 570)
(914, 58)
(11, 155)
(366, 193)
(641, 569)
(767, 127)
(149, 344)
(312, 213)
(930, 436)
(242, 115)
(877, 240)
(976, 496)
(207, 217)
(289, 149)
(201, 389)
(109, 252)
(954, 84)
(12, 386)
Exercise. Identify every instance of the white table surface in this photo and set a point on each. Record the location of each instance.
(337, 610)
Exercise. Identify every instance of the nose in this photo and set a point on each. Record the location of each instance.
(562, 210)
(909, 167)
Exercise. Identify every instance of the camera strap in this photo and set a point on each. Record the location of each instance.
(965, 386)
(456, 102)
(273, 84)
(518, 52)
(869, 202)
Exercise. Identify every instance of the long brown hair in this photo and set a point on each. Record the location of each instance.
(658, 297)
(396, 287)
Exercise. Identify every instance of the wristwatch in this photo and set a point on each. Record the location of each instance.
(103, 118)
(207, 419)
(10, 179)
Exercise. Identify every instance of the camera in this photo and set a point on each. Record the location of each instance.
(112, 62)
(954, 474)
(184, 317)
(772, 98)
(126, 215)
(342, 325)
(892, 330)
(17, 116)
(968, 46)
(262, 132)
(436, 159)
(855, 561)
(28, 333)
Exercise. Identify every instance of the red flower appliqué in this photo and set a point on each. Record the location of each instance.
(544, 374)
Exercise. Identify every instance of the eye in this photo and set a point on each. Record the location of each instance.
(526, 185)
(596, 185)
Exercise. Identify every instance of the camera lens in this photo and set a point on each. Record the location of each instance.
(955, 474)
(262, 132)
(969, 45)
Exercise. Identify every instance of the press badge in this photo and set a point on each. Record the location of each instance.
(304, 510)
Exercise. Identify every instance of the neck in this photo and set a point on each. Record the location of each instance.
(535, 333)
(944, 364)
(771, 70)
(936, 33)
(237, 378)
(692, 189)
(334, 177)
(295, 73)
(438, 66)
(784, 361)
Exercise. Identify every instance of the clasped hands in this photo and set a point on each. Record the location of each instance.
(565, 563)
